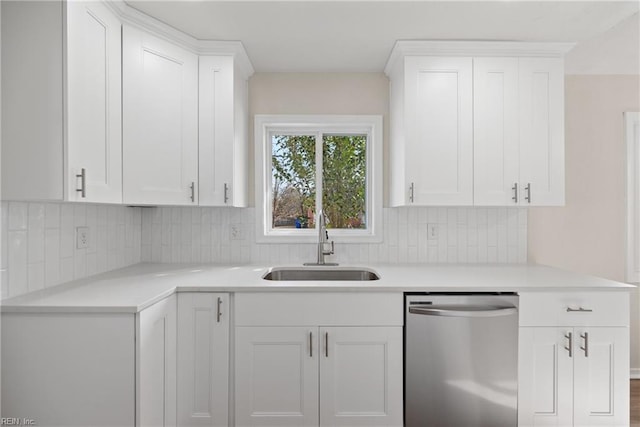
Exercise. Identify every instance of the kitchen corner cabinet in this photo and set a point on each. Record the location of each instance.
(316, 359)
(574, 365)
(156, 373)
(62, 71)
(477, 123)
(223, 128)
(160, 121)
(203, 359)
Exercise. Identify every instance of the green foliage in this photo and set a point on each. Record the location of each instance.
(344, 178)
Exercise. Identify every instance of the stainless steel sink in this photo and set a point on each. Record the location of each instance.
(320, 273)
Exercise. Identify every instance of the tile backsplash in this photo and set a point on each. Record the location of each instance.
(465, 235)
(39, 239)
(39, 243)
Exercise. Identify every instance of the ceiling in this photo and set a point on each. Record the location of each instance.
(357, 36)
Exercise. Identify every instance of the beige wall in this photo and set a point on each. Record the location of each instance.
(317, 93)
(588, 234)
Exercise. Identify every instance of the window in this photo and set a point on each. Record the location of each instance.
(305, 164)
(632, 137)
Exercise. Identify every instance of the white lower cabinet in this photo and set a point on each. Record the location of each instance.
(289, 370)
(156, 373)
(203, 359)
(575, 375)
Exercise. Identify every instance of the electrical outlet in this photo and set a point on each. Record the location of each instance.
(432, 231)
(236, 232)
(82, 237)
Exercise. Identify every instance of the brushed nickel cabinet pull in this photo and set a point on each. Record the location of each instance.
(585, 337)
(515, 192)
(326, 344)
(83, 183)
(310, 344)
(411, 193)
(219, 315)
(569, 336)
(192, 187)
(226, 193)
(528, 196)
(579, 310)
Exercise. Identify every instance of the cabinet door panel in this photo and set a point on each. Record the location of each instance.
(160, 128)
(156, 365)
(601, 387)
(439, 148)
(545, 377)
(361, 376)
(216, 130)
(495, 106)
(541, 91)
(203, 359)
(276, 376)
(94, 119)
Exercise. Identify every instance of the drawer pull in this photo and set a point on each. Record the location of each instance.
(579, 310)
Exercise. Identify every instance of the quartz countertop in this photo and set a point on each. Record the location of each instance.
(132, 289)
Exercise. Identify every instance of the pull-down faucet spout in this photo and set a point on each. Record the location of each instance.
(323, 239)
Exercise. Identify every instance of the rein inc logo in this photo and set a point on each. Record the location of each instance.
(17, 422)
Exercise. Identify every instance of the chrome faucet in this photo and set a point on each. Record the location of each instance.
(323, 239)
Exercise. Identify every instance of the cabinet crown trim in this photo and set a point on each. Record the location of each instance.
(404, 48)
(131, 16)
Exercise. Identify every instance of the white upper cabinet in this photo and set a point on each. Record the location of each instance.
(61, 118)
(541, 92)
(477, 123)
(495, 130)
(160, 121)
(94, 104)
(431, 131)
(223, 129)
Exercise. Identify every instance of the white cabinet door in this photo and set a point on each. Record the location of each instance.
(203, 359)
(541, 91)
(439, 122)
(495, 130)
(216, 130)
(160, 121)
(545, 377)
(156, 365)
(601, 377)
(94, 119)
(361, 376)
(276, 376)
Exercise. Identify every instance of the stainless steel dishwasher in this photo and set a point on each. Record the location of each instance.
(461, 358)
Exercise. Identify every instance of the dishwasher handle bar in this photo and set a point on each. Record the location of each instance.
(463, 310)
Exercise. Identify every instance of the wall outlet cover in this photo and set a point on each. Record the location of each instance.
(82, 237)
(236, 232)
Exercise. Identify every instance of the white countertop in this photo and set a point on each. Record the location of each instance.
(132, 289)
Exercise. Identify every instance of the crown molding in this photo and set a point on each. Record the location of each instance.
(404, 48)
(129, 15)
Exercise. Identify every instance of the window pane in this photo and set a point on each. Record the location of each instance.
(293, 181)
(344, 180)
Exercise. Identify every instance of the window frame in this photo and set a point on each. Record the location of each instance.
(266, 125)
(632, 141)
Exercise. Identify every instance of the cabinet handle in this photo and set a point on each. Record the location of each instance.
(219, 315)
(579, 310)
(528, 196)
(310, 344)
(585, 337)
(326, 344)
(515, 192)
(411, 193)
(226, 193)
(83, 183)
(192, 187)
(569, 336)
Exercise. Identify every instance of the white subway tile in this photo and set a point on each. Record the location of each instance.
(18, 216)
(17, 262)
(36, 276)
(36, 216)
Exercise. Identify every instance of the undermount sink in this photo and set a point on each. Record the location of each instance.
(321, 273)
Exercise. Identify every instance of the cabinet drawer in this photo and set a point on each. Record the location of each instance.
(574, 309)
(316, 308)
